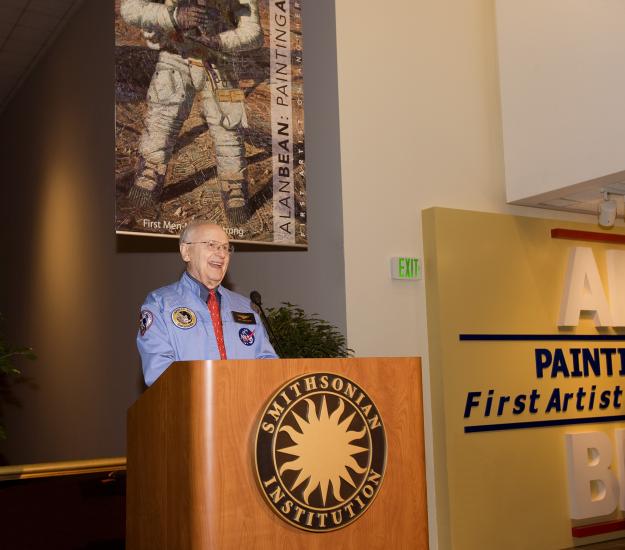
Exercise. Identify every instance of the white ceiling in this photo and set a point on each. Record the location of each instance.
(27, 28)
(582, 198)
(562, 86)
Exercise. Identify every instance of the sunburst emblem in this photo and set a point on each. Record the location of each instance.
(320, 452)
(324, 450)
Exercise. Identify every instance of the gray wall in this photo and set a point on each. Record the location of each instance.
(70, 288)
(314, 279)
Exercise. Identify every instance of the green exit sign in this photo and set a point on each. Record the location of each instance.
(406, 269)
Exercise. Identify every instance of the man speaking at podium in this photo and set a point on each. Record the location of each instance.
(196, 318)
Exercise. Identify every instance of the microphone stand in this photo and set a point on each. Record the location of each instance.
(257, 301)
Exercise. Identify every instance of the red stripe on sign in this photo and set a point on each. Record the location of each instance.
(598, 528)
(594, 236)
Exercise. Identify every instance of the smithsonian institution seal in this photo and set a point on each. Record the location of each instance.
(320, 452)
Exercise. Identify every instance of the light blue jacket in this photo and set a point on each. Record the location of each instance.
(175, 325)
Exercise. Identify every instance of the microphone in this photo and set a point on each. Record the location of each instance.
(257, 301)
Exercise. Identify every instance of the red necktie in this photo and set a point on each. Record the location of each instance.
(213, 307)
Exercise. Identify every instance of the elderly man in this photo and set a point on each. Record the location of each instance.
(196, 317)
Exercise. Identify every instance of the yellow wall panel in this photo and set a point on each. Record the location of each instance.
(501, 274)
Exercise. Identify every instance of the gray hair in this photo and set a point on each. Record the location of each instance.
(186, 233)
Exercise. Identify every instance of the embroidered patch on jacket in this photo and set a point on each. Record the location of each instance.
(145, 321)
(244, 318)
(247, 336)
(183, 317)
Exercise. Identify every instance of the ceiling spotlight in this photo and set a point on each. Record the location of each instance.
(607, 210)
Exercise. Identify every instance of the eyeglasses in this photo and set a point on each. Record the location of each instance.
(216, 246)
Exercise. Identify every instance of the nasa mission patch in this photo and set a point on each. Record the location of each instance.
(183, 317)
(247, 336)
(145, 321)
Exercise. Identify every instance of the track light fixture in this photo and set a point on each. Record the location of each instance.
(607, 210)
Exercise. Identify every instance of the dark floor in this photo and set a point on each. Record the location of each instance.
(82, 512)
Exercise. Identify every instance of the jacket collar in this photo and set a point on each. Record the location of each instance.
(198, 288)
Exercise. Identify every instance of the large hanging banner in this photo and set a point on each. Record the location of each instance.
(210, 118)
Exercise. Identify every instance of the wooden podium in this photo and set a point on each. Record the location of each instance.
(192, 481)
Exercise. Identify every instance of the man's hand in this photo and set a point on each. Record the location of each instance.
(189, 17)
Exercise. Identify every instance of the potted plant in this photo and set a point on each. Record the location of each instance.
(305, 336)
(9, 372)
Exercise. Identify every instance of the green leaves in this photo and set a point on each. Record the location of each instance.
(9, 371)
(8, 354)
(305, 336)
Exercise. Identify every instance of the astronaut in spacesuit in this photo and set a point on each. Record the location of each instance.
(195, 41)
